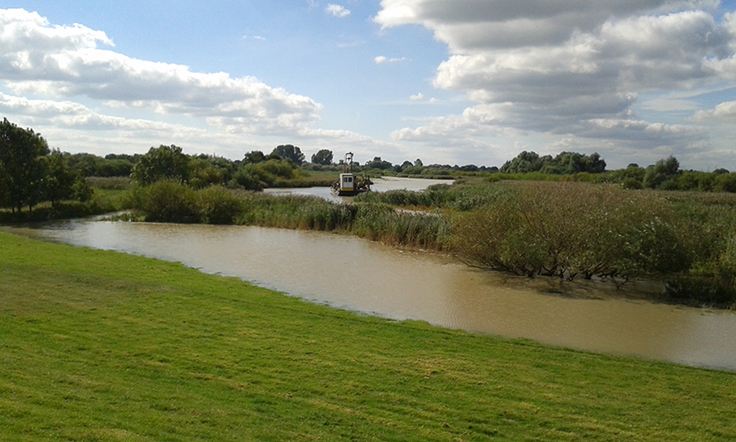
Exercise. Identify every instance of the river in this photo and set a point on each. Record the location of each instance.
(355, 274)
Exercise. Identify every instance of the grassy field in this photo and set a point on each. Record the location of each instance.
(99, 346)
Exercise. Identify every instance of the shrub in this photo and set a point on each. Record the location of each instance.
(569, 229)
(217, 205)
(165, 201)
(725, 183)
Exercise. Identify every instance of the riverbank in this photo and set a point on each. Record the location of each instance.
(103, 346)
(566, 230)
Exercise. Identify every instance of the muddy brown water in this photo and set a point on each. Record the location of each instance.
(351, 273)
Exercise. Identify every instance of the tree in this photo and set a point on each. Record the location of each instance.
(60, 180)
(21, 180)
(378, 163)
(664, 170)
(523, 163)
(418, 163)
(253, 157)
(323, 157)
(725, 182)
(289, 152)
(164, 162)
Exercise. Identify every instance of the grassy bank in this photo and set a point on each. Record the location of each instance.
(100, 346)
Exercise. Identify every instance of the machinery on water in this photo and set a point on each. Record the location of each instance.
(349, 184)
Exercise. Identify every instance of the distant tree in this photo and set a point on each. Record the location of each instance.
(254, 157)
(378, 163)
(323, 157)
(406, 164)
(84, 163)
(661, 172)
(725, 182)
(418, 163)
(290, 152)
(114, 167)
(596, 164)
(203, 173)
(565, 163)
(123, 156)
(525, 162)
(163, 162)
(21, 180)
(59, 182)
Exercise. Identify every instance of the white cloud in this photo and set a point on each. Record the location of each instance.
(381, 59)
(572, 68)
(77, 116)
(723, 113)
(65, 62)
(337, 11)
(417, 97)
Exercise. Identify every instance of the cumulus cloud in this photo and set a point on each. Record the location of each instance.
(724, 112)
(417, 97)
(573, 67)
(73, 115)
(65, 62)
(337, 11)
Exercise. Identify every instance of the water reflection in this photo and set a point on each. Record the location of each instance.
(355, 274)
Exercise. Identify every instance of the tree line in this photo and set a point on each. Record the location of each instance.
(31, 173)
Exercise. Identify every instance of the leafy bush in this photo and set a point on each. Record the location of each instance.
(569, 229)
(217, 205)
(165, 201)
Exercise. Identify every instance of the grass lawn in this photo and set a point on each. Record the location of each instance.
(101, 346)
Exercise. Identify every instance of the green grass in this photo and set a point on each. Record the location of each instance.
(99, 346)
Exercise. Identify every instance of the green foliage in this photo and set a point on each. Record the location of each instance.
(725, 182)
(323, 157)
(59, 181)
(209, 170)
(255, 156)
(165, 201)
(569, 229)
(247, 179)
(565, 163)
(271, 173)
(217, 205)
(163, 162)
(21, 181)
(378, 163)
(289, 152)
(663, 171)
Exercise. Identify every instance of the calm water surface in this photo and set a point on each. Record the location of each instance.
(351, 273)
(379, 185)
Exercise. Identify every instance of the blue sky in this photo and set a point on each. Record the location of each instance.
(451, 82)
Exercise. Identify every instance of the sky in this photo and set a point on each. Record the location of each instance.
(449, 82)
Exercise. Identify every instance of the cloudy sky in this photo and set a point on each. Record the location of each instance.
(451, 82)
